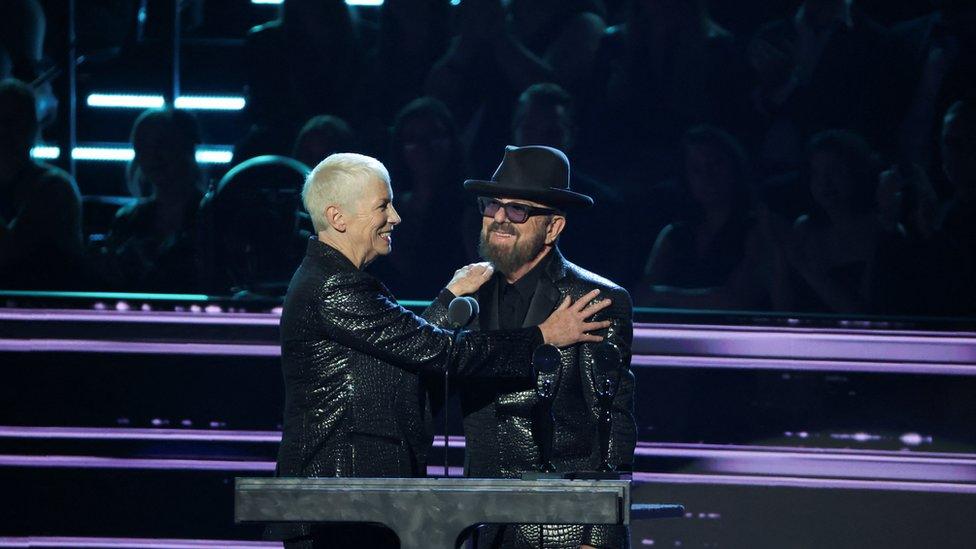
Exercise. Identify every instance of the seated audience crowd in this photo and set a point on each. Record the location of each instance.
(817, 159)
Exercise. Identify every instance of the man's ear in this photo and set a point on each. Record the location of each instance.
(335, 218)
(554, 228)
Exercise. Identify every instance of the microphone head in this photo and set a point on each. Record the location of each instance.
(475, 308)
(606, 359)
(545, 359)
(460, 311)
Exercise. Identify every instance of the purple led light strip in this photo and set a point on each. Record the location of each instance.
(96, 462)
(758, 363)
(800, 482)
(692, 449)
(158, 317)
(131, 543)
(88, 462)
(137, 347)
(660, 361)
(648, 449)
(129, 433)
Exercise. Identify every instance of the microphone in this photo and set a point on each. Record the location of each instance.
(461, 311)
(545, 367)
(607, 359)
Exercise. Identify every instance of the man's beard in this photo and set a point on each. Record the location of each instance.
(507, 260)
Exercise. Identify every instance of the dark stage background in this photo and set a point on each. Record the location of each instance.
(787, 189)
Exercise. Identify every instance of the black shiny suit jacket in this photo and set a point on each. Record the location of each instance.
(351, 358)
(498, 413)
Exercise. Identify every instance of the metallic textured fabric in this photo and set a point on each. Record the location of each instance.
(352, 360)
(498, 413)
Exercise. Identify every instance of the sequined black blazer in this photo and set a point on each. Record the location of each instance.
(351, 358)
(498, 412)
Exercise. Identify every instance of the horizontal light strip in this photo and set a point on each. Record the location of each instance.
(214, 154)
(135, 433)
(133, 543)
(654, 449)
(93, 462)
(125, 101)
(801, 482)
(187, 102)
(131, 433)
(110, 154)
(97, 462)
(46, 152)
(136, 347)
(210, 103)
(159, 317)
(101, 295)
(748, 363)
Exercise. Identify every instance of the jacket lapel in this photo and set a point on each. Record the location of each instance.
(547, 295)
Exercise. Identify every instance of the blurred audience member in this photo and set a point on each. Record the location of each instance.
(957, 225)
(546, 115)
(40, 206)
(667, 67)
(307, 62)
(939, 53)
(831, 247)
(321, 136)
(151, 245)
(501, 49)
(909, 259)
(426, 165)
(706, 258)
(414, 34)
(22, 30)
(823, 68)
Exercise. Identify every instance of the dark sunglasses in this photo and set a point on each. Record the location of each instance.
(514, 211)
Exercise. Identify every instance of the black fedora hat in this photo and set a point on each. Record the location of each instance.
(534, 172)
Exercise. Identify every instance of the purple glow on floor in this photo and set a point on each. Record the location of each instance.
(753, 363)
(807, 344)
(799, 482)
(157, 317)
(136, 347)
(820, 463)
(96, 462)
(133, 543)
(127, 433)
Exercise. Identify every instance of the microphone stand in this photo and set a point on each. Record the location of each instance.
(460, 312)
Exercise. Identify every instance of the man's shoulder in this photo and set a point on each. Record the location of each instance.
(591, 281)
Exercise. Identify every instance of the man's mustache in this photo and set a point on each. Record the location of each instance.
(505, 228)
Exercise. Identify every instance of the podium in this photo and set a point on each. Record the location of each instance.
(435, 512)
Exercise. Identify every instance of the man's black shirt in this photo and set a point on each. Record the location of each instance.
(514, 299)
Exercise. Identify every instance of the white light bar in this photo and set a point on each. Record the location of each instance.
(348, 2)
(125, 101)
(109, 154)
(214, 154)
(189, 102)
(210, 103)
(46, 152)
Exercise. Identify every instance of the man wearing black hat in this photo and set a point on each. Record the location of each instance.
(525, 207)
